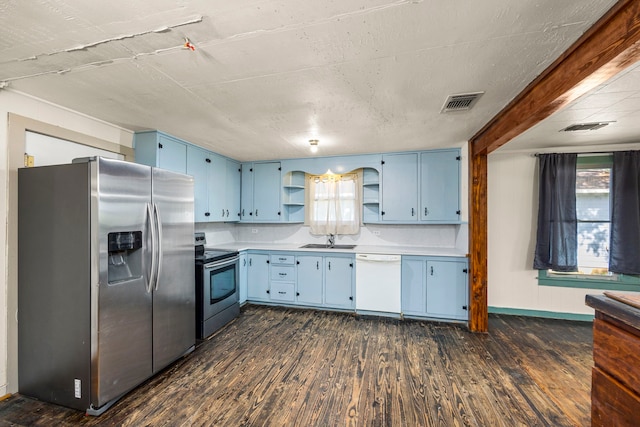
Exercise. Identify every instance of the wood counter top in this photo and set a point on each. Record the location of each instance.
(615, 310)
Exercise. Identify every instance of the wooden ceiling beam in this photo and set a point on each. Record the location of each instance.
(608, 47)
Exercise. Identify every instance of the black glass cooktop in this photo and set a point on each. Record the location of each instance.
(211, 256)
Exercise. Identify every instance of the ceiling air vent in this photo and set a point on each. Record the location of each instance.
(461, 102)
(585, 126)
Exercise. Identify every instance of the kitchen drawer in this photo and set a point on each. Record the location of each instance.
(282, 259)
(612, 404)
(283, 273)
(283, 291)
(617, 352)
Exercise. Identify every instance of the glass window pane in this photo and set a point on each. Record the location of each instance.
(592, 194)
(593, 210)
(593, 247)
(592, 206)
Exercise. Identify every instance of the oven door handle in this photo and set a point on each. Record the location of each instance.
(221, 263)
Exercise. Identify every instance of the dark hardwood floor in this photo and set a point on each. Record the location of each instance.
(287, 367)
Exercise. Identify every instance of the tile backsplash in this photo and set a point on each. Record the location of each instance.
(446, 236)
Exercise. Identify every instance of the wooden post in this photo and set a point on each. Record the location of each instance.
(478, 305)
(611, 45)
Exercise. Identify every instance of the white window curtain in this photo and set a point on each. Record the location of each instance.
(333, 204)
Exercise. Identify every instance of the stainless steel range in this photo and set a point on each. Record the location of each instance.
(217, 279)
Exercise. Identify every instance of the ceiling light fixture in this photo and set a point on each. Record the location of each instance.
(314, 145)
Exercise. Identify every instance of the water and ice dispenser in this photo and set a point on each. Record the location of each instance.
(125, 256)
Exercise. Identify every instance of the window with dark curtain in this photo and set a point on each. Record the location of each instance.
(556, 240)
(625, 216)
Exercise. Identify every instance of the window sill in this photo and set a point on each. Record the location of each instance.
(618, 282)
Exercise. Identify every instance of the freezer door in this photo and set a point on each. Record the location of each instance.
(122, 306)
(174, 290)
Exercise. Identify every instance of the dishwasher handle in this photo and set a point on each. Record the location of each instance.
(378, 258)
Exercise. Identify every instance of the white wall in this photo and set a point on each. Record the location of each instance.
(62, 123)
(513, 208)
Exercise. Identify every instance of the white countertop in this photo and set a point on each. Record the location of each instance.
(361, 249)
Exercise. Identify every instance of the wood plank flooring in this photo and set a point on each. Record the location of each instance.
(288, 367)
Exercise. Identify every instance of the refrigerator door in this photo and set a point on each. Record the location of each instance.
(174, 288)
(122, 306)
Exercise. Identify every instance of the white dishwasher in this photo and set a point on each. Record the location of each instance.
(378, 283)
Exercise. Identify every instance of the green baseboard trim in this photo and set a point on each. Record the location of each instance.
(541, 313)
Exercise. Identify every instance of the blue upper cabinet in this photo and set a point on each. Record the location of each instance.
(246, 192)
(421, 188)
(216, 185)
(217, 191)
(399, 187)
(233, 189)
(440, 186)
(157, 149)
(266, 192)
(198, 167)
(261, 189)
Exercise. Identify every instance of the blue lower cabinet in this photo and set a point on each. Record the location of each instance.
(258, 276)
(339, 281)
(435, 287)
(244, 280)
(310, 273)
(303, 278)
(414, 287)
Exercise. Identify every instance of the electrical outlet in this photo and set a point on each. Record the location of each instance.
(254, 231)
(376, 232)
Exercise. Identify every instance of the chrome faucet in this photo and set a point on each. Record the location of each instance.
(331, 240)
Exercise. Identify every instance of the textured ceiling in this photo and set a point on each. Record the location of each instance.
(617, 102)
(267, 76)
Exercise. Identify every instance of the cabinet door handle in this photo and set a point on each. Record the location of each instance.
(413, 212)
(244, 263)
(432, 270)
(242, 212)
(207, 214)
(227, 213)
(222, 213)
(317, 265)
(282, 274)
(329, 265)
(250, 261)
(426, 211)
(256, 212)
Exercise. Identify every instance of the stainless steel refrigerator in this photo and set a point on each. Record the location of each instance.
(106, 294)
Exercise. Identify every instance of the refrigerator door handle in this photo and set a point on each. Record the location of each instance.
(151, 223)
(159, 245)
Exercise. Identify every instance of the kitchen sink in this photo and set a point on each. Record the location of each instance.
(325, 246)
